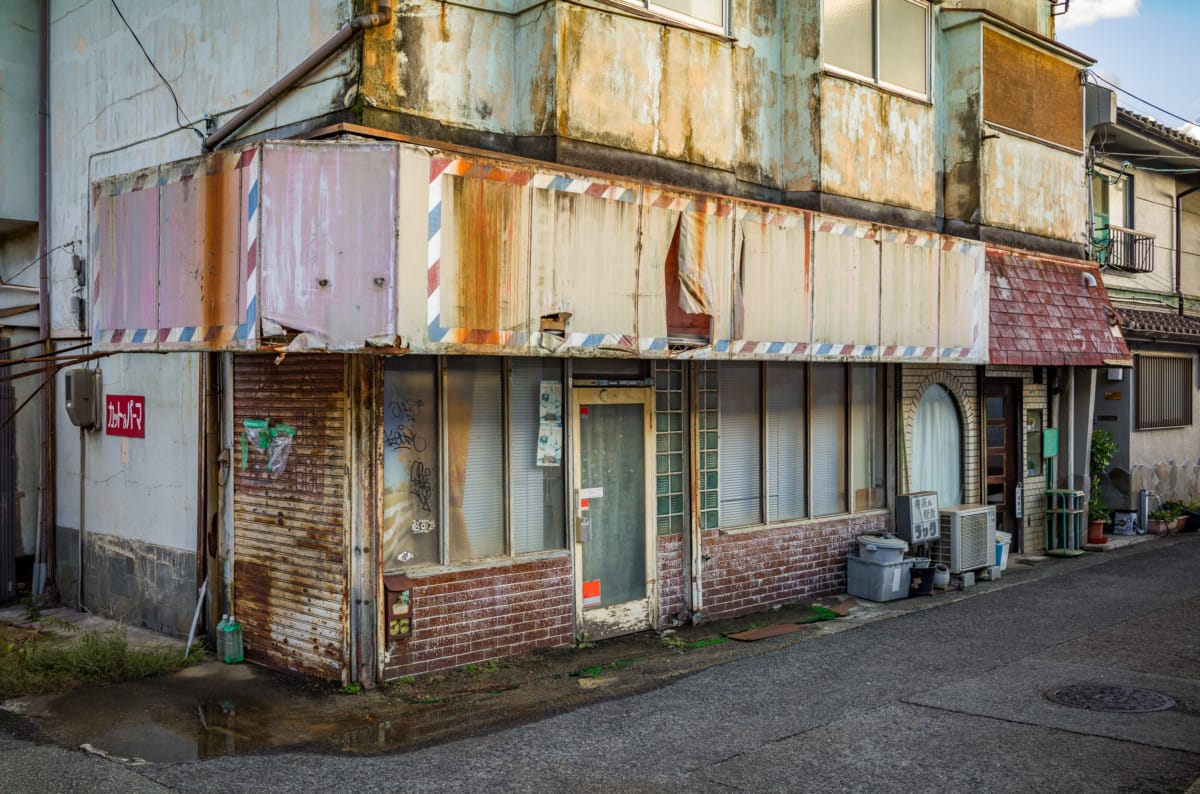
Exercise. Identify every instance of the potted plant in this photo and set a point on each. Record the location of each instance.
(1103, 449)
(1161, 520)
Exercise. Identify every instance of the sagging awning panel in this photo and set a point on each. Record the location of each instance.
(356, 246)
(329, 244)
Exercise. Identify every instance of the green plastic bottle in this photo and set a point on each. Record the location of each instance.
(221, 637)
(232, 653)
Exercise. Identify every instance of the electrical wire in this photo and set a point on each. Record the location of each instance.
(191, 125)
(1116, 87)
(70, 245)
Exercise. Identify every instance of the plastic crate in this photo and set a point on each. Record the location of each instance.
(878, 581)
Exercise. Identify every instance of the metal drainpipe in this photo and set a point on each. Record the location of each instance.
(381, 17)
(43, 574)
(1179, 242)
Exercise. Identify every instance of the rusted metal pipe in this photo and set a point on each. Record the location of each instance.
(382, 16)
(44, 552)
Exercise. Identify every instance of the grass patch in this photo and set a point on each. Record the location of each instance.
(595, 671)
(33, 661)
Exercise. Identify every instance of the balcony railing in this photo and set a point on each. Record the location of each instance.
(1124, 249)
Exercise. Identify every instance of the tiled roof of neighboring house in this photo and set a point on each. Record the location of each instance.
(1047, 312)
(1149, 324)
(1158, 128)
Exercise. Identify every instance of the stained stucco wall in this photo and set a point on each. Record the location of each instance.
(110, 113)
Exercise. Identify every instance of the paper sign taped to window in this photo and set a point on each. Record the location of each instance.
(591, 593)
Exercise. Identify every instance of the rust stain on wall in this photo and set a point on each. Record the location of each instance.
(217, 224)
(1032, 91)
(486, 228)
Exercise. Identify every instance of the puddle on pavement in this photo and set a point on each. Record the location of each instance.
(204, 712)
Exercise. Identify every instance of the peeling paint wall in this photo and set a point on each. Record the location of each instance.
(599, 74)
(877, 146)
(657, 90)
(1031, 187)
(110, 113)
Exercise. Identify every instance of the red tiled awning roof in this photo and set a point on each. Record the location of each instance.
(1144, 324)
(1047, 312)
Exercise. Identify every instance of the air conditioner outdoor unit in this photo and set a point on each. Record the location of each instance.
(968, 537)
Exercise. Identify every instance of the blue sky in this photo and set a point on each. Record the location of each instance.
(1150, 48)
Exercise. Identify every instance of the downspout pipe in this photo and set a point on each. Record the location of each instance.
(1179, 242)
(44, 564)
(381, 17)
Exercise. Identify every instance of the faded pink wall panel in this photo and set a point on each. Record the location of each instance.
(200, 243)
(128, 266)
(329, 241)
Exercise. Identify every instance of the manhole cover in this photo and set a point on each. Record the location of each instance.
(1096, 697)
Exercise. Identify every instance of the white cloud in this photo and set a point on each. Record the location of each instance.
(1089, 12)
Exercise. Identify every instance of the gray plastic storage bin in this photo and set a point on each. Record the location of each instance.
(881, 548)
(878, 581)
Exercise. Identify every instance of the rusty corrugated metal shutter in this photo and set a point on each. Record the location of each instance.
(289, 573)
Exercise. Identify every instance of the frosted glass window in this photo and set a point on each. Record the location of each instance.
(867, 437)
(848, 43)
(411, 521)
(828, 439)
(903, 28)
(786, 423)
(885, 41)
(538, 518)
(475, 453)
(740, 445)
(937, 447)
(710, 13)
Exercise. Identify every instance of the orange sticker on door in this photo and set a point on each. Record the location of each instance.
(591, 593)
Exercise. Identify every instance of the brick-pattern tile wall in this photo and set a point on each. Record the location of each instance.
(1033, 398)
(962, 384)
(672, 585)
(750, 571)
(466, 617)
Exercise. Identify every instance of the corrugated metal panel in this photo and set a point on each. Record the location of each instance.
(9, 526)
(963, 307)
(775, 279)
(290, 529)
(908, 295)
(584, 261)
(199, 243)
(329, 242)
(485, 254)
(846, 286)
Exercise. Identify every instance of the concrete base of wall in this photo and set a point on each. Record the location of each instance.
(1178, 482)
(139, 583)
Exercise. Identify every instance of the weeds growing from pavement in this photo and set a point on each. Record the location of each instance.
(35, 661)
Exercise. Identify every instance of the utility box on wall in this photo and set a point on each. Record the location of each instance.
(397, 604)
(83, 397)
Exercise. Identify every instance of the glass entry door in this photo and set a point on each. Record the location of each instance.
(614, 538)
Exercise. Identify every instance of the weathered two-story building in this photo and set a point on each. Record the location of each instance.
(1145, 205)
(470, 328)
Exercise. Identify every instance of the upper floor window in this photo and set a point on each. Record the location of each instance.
(1163, 391)
(709, 14)
(1115, 243)
(885, 41)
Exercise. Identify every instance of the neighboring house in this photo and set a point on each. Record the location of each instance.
(1145, 195)
(510, 322)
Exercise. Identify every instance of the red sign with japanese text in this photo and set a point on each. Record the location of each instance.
(125, 415)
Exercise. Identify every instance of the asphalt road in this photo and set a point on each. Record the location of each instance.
(949, 698)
